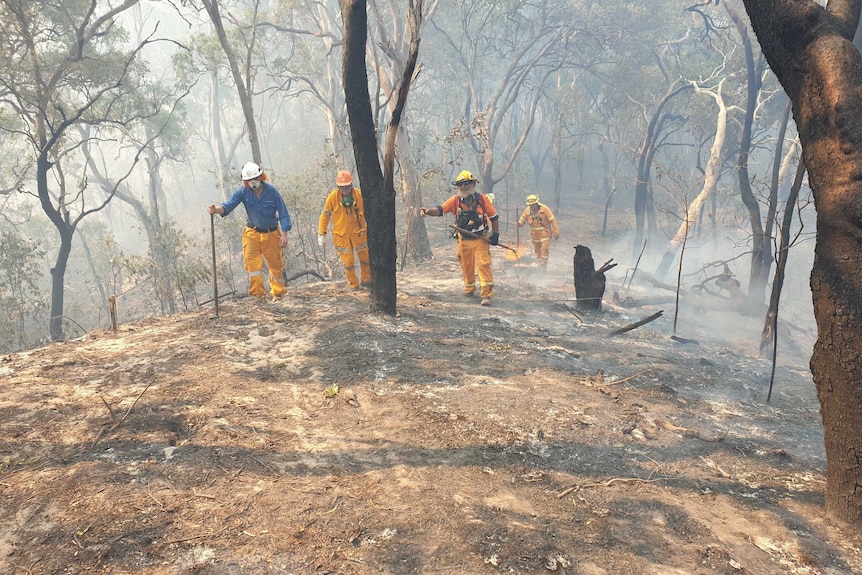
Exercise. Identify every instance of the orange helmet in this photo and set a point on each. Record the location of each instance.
(343, 178)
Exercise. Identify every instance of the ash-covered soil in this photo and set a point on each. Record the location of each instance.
(514, 438)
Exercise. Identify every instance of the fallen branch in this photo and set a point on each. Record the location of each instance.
(119, 423)
(625, 379)
(684, 340)
(636, 324)
(690, 432)
(221, 296)
(608, 483)
(571, 311)
(306, 273)
(111, 411)
(650, 279)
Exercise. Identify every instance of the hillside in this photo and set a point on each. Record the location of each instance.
(514, 438)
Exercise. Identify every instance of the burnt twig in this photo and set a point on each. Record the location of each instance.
(636, 324)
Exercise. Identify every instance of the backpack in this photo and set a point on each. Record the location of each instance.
(472, 218)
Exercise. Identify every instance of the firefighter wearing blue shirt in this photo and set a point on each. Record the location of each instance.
(261, 237)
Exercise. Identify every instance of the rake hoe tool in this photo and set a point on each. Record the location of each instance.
(478, 237)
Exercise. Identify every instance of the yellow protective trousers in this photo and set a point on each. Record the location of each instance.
(475, 256)
(541, 239)
(255, 247)
(345, 245)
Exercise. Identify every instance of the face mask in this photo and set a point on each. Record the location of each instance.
(255, 184)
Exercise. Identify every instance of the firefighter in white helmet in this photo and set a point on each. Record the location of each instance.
(345, 209)
(261, 238)
(543, 225)
(474, 212)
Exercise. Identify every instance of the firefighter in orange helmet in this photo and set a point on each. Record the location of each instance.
(345, 209)
(475, 213)
(543, 225)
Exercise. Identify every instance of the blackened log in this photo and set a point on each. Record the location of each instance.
(589, 283)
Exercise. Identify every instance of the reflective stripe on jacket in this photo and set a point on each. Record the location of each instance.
(543, 220)
(345, 220)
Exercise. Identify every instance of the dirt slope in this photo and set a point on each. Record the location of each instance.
(516, 438)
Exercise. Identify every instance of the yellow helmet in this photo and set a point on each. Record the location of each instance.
(464, 177)
(532, 199)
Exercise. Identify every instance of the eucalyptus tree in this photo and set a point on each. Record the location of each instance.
(691, 209)
(761, 252)
(243, 73)
(379, 186)
(19, 289)
(161, 138)
(810, 49)
(305, 62)
(220, 127)
(393, 38)
(64, 65)
(504, 53)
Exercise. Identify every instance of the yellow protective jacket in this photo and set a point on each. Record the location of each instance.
(543, 224)
(345, 220)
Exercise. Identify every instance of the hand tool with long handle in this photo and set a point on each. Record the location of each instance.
(478, 237)
(215, 273)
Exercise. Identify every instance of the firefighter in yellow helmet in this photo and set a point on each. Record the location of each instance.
(345, 209)
(261, 238)
(543, 225)
(475, 213)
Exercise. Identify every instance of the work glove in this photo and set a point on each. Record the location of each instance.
(494, 239)
(320, 241)
(556, 236)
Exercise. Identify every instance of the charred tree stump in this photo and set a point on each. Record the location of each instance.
(589, 281)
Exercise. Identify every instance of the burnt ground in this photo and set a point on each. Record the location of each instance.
(514, 438)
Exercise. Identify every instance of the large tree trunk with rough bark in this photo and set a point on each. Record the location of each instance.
(810, 49)
(380, 195)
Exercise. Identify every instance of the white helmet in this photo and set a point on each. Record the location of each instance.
(250, 171)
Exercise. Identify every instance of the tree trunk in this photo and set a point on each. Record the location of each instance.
(589, 283)
(710, 179)
(216, 137)
(761, 242)
(645, 154)
(379, 198)
(767, 336)
(416, 240)
(811, 52)
(212, 8)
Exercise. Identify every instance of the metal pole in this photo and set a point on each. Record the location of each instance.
(215, 274)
